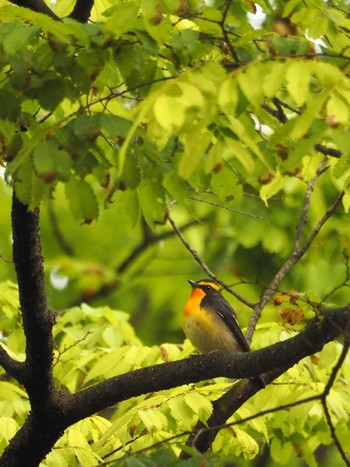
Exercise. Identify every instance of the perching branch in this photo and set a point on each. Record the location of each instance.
(203, 367)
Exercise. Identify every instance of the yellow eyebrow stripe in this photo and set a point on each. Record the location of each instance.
(213, 285)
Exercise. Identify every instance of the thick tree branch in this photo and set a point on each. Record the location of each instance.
(82, 10)
(36, 5)
(38, 320)
(204, 435)
(12, 367)
(214, 364)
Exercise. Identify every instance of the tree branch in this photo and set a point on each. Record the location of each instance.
(297, 252)
(277, 357)
(203, 436)
(38, 320)
(12, 367)
(36, 5)
(327, 391)
(82, 10)
(205, 268)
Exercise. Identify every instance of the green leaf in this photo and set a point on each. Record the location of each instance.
(51, 94)
(122, 18)
(176, 187)
(250, 82)
(9, 105)
(151, 200)
(29, 188)
(228, 96)
(274, 77)
(182, 412)
(281, 452)
(226, 186)
(18, 36)
(50, 162)
(337, 110)
(82, 200)
(169, 113)
(200, 405)
(274, 186)
(297, 80)
(196, 145)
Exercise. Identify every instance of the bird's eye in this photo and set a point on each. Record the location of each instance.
(208, 287)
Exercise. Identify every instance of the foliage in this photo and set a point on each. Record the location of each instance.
(97, 343)
(107, 124)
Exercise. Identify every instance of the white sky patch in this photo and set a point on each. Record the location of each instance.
(256, 19)
(261, 127)
(58, 281)
(317, 42)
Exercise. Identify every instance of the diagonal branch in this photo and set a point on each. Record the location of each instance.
(277, 357)
(298, 251)
(36, 5)
(203, 265)
(12, 367)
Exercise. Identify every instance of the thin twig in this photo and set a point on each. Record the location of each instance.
(324, 401)
(306, 205)
(203, 265)
(297, 252)
(149, 239)
(212, 203)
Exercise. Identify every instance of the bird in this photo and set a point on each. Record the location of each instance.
(210, 322)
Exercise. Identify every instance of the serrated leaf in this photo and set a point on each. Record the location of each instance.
(181, 412)
(153, 419)
(200, 405)
(81, 199)
(19, 36)
(108, 365)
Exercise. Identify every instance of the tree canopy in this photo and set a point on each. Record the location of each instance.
(145, 143)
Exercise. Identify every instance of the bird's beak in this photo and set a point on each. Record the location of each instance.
(193, 284)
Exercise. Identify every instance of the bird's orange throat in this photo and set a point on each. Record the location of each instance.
(193, 303)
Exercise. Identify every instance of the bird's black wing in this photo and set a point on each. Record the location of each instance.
(227, 314)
